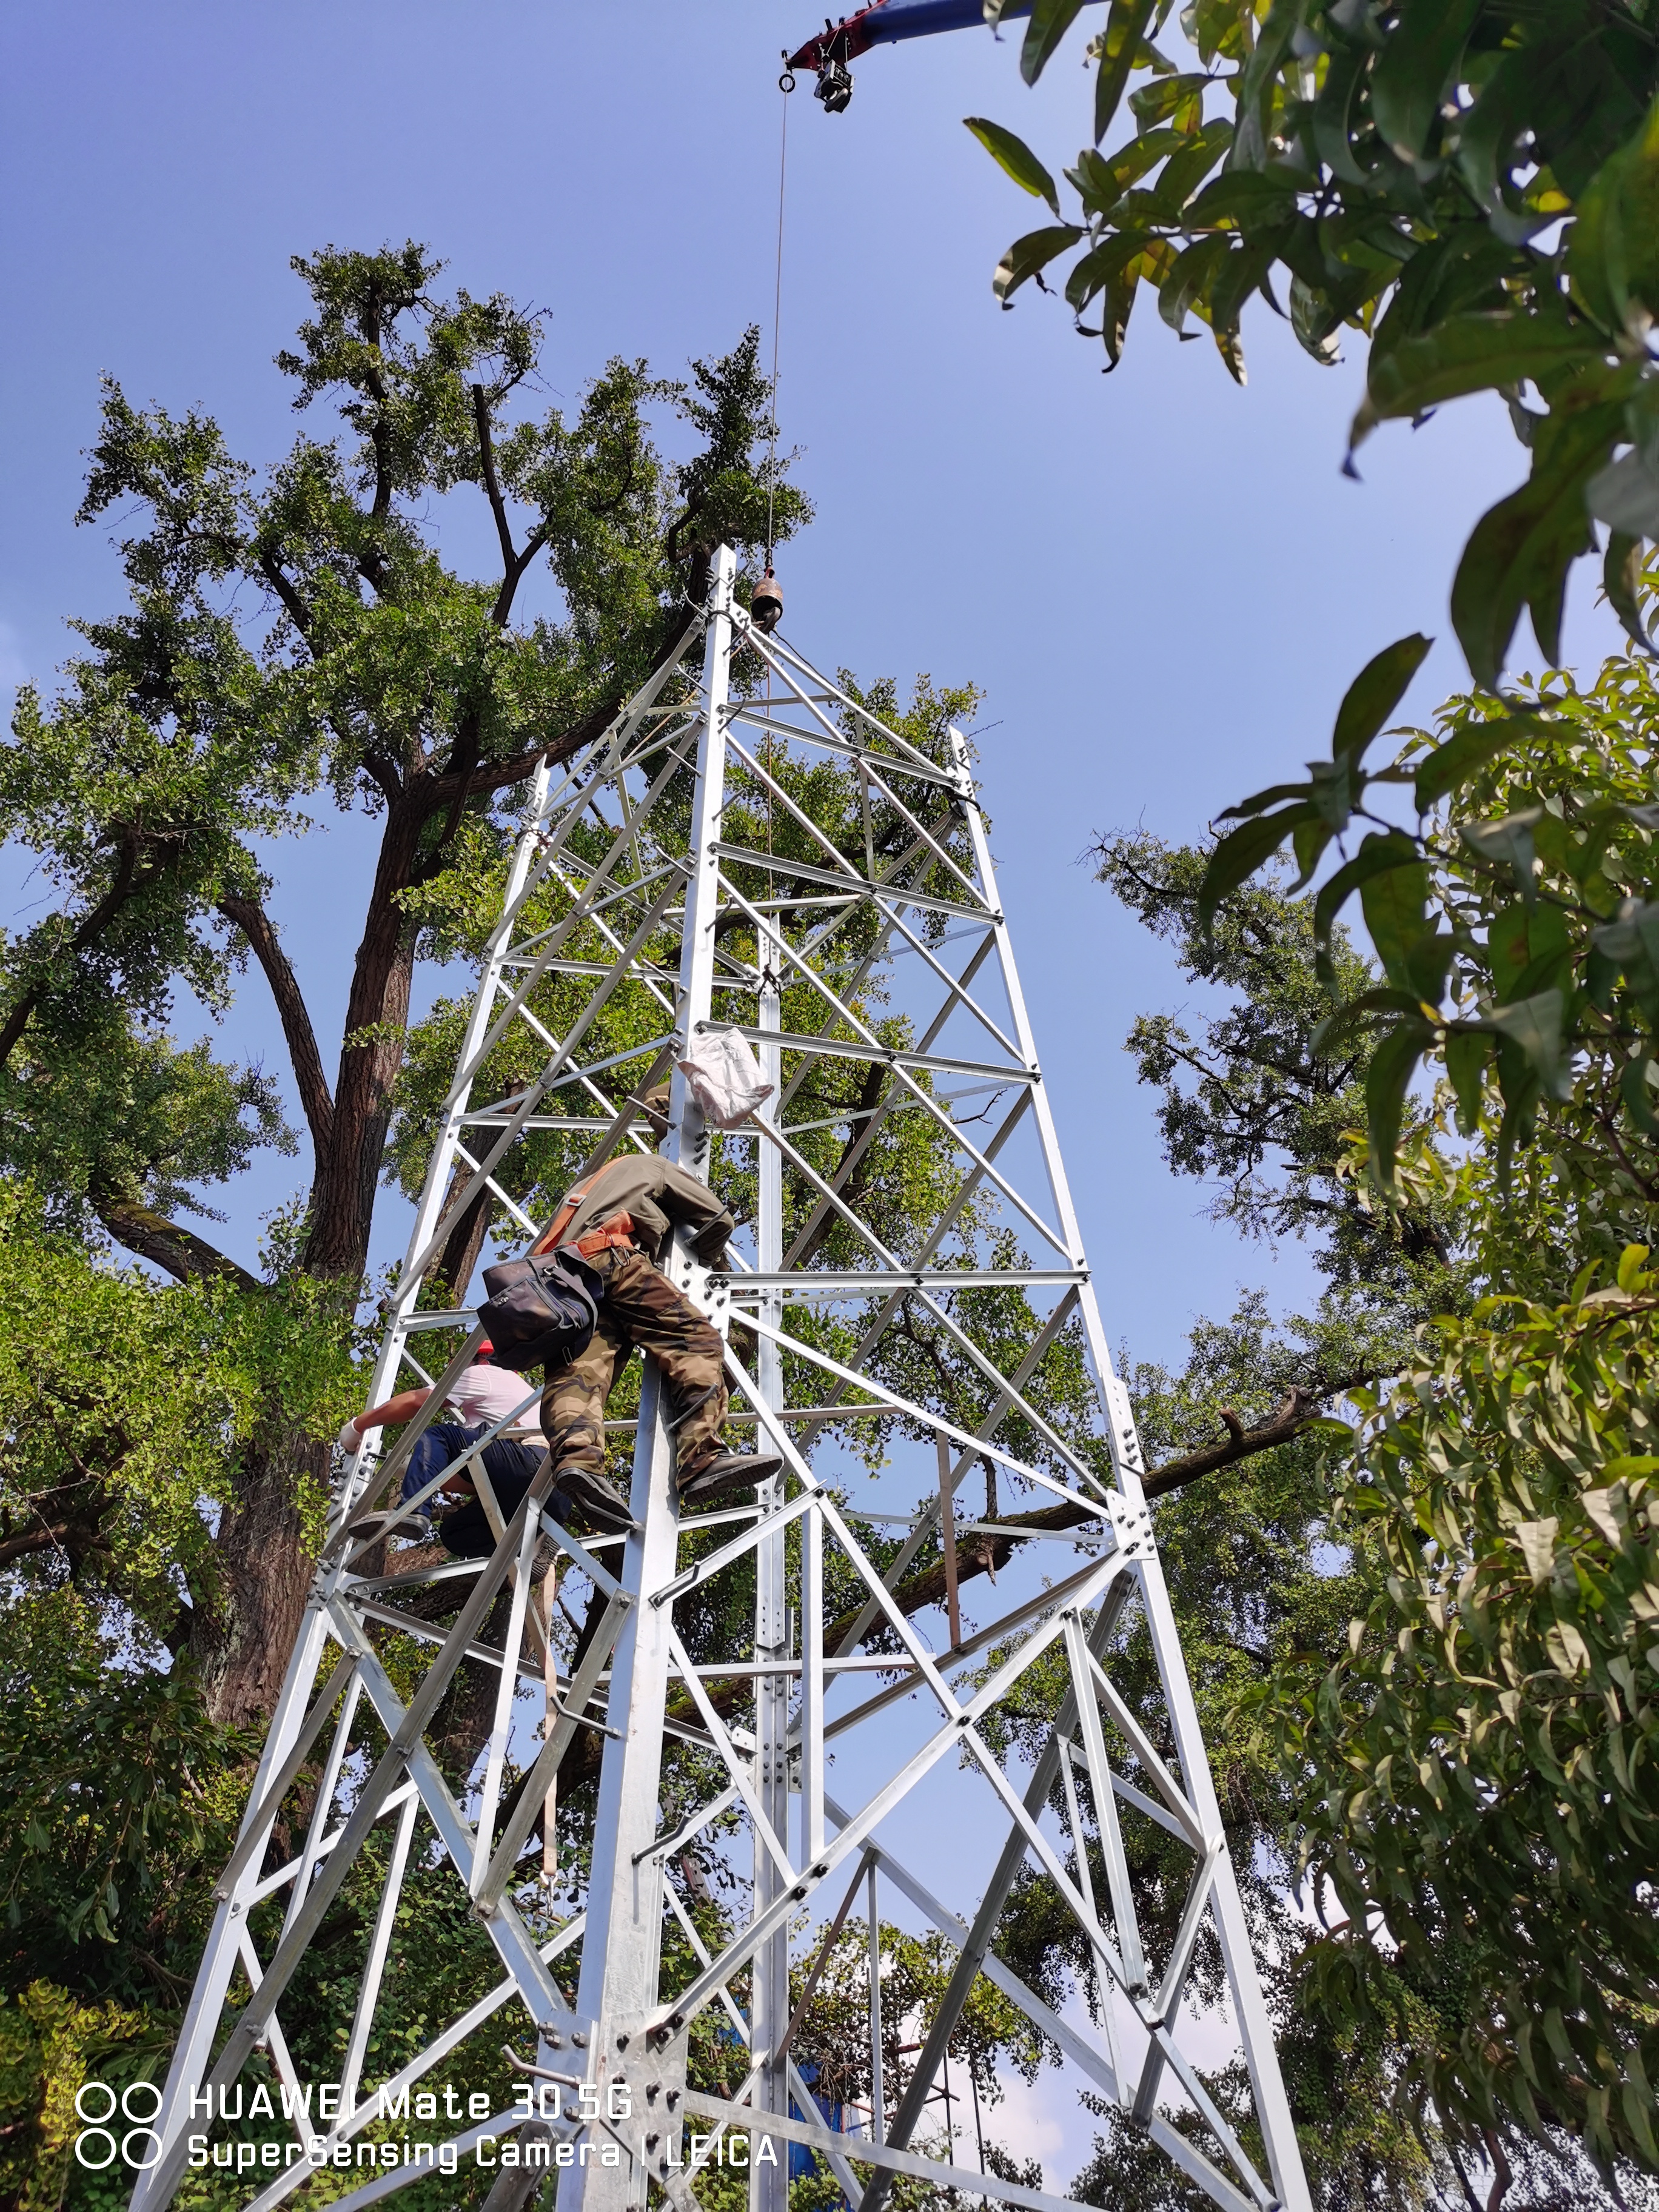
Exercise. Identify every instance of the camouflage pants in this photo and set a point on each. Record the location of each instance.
(641, 1308)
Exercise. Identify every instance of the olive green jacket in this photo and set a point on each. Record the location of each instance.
(659, 1197)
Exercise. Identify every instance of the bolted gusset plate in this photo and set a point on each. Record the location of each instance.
(907, 1309)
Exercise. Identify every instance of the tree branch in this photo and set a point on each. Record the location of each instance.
(491, 482)
(298, 613)
(1298, 1407)
(384, 771)
(50, 1536)
(448, 790)
(504, 598)
(440, 791)
(512, 564)
(165, 1244)
(983, 1553)
(307, 1062)
(91, 929)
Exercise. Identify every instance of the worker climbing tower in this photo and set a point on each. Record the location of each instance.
(784, 1732)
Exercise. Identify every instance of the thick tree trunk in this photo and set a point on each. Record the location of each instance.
(241, 1639)
(465, 1242)
(241, 1642)
(242, 1647)
(349, 1166)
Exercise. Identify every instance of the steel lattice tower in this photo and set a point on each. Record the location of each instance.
(632, 843)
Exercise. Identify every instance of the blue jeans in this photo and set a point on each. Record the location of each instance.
(510, 1467)
(465, 1529)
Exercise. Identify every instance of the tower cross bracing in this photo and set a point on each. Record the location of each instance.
(907, 1308)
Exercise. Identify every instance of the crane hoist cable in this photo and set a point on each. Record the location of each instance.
(766, 602)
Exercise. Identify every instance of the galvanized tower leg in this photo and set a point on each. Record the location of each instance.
(770, 2184)
(623, 1942)
(223, 1956)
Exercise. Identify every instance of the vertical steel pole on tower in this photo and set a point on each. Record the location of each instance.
(623, 1943)
(769, 2188)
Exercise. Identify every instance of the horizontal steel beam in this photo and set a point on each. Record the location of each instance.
(887, 1055)
(854, 887)
(868, 1282)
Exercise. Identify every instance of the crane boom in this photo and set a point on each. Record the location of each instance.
(885, 22)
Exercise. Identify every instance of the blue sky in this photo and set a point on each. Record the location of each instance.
(1162, 583)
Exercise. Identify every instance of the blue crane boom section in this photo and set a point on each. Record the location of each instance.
(888, 21)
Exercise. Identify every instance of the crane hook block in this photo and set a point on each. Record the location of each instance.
(766, 602)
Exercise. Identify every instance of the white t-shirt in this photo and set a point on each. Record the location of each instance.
(488, 1394)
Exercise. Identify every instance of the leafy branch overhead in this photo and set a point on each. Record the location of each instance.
(1473, 187)
(1517, 924)
(1436, 1699)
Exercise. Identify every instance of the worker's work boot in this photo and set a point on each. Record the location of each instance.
(726, 1472)
(598, 1497)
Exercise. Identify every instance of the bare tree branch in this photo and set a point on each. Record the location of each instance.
(491, 483)
(512, 564)
(984, 1553)
(166, 1244)
(1298, 1407)
(307, 1062)
(298, 613)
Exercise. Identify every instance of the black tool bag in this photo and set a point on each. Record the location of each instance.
(541, 1312)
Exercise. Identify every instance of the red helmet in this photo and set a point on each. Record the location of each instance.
(483, 1351)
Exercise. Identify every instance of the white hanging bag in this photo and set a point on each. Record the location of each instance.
(724, 1078)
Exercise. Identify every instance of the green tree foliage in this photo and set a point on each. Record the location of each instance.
(118, 1130)
(50, 2047)
(123, 1411)
(1509, 921)
(125, 1408)
(1484, 1747)
(123, 1794)
(187, 729)
(1470, 186)
(1453, 1742)
(1263, 1103)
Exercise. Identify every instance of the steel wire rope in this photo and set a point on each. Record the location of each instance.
(786, 85)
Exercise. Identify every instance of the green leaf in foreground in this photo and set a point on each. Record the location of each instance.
(1238, 856)
(1014, 155)
(1469, 353)
(1388, 1080)
(1534, 1024)
(1050, 21)
(1028, 255)
(1376, 692)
